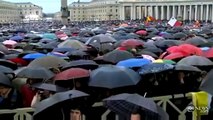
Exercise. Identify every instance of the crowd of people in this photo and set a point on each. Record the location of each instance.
(41, 60)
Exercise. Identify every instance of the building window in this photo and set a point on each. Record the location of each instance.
(110, 10)
(73, 11)
(116, 10)
(37, 12)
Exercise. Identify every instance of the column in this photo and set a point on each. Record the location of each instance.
(151, 12)
(132, 12)
(122, 15)
(145, 9)
(179, 12)
(156, 12)
(212, 12)
(168, 11)
(196, 12)
(207, 12)
(139, 10)
(162, 12)
(184, 12)
(173, 10)
(201, 14)
(190, 12)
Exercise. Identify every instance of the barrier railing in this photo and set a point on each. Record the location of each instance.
(164, 101)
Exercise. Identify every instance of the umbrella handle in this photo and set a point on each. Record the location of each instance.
(63, 116)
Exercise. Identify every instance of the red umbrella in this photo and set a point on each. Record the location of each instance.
(208, 53)
(173, 56)
(142, 32)
(132, 43)
(19, 61)
(190, 49)
(72, 73)
(185, 49)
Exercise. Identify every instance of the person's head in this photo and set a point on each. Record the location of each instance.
(75, 114)
(3, 90)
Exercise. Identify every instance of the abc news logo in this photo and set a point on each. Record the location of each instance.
(192, 108)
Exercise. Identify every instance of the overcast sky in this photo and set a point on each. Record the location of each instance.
(49, 6)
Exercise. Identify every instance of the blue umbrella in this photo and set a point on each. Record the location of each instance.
(33, 56)
(17, 38)
(134, 62)
(154, 68)
(111, 77)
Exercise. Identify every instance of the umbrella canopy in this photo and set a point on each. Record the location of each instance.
(6, 70)
(186, 68)
(179, 35)
(167, 43)
(116, 55)
(72, 73)
(71, 44)
(173, 56)
(8, 63)
(17, 38)
(125, 104)
(208, 53)
(85, 64)
(134, 62)
(207, 83)
(113, 77)
(142, 32)
(49, 87)
(131, 43)
(49, 36)
(33, 56)
(48, 62)
(155, 68)
(100, 39)
(35, 73)
(59, 100)
(10, 42)
(5, 80)
(197, 41)
(195, 61)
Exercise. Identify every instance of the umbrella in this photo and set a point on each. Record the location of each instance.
(3, 49)
(134, 62)
(186, 68)
(206, 84)
(50, 36)
(86, 33)
(17, 38)
(116, 55)
(167, 43)
(85, 64)
(33, 56)
(5, 80)
(63, 50)
(179, 35)
(99, 39)
(8, 64)
(49, 87)
(176, 55)
(145, 52)
(10, 42)
(6, 70)
(155, 68)
(208, 53)
(197, 41)
(131, 43)
(48, 62)
(195, 61)
(71, 44)
(72, 73)
(59, 100)
(124, 104)
(35, 73)
(142, 32)
(113, 77)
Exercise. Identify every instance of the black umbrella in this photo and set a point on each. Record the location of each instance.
(85, 64)
(167, 43)
(5, 80)
(179, 35)
(197, 41)
(49, 87)
(154, 68)
(116, 55)
(86, 33)
(8, 63)
(113, 77)
(124, 104)
(186, 68)
(6, 70)
(100, 39)
(144, 52)
(59, 100)
(195, 61)
(35, 73)
(207, 83)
